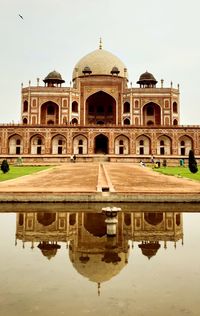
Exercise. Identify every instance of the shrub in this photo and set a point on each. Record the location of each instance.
(192, 162)
(5, 166)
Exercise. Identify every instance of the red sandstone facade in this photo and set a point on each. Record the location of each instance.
(99, 115)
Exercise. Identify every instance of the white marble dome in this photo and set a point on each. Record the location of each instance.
(100, 62)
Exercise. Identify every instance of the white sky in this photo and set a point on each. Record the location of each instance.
(161, 36)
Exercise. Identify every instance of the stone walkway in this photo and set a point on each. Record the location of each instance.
(97, 177)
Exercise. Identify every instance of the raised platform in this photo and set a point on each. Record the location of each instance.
(99, 182)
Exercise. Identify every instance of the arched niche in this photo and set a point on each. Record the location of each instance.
(95, 224)
(25, 106)
(37, 145)
(58, 145)
(185, 144)
(45, 218)
(75, 107)
(121, 145)
(153, 218)
(143, 145)
(151, 114)
(164, 145)
(49, 113)
(80, 145)
(100, 106)
(15, 145)
(127, 121)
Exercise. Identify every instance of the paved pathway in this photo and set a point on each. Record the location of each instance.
(89, 177)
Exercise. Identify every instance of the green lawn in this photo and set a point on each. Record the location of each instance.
(179, 171)
(18, 171)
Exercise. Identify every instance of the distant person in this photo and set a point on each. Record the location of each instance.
(181, 162)
(74, 158)
(142, 164)
(152, 159)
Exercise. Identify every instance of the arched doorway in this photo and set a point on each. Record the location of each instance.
(101, 144)
(100, 109)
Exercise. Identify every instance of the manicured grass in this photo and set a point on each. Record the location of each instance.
(179, 171)
(18, 171)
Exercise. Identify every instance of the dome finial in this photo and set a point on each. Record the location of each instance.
(100, 43)
(99, 287)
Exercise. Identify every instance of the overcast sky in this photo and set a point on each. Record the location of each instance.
(161, 36)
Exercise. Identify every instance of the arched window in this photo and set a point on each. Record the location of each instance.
(25, 107)
(39, 141)
(80, 145)
(141, 142)
(175, 122)
(37, 145)
(126, 121)
(25, 121)
(182, 143)
(150, 123)
(164, 145)
(136, 103)
(75, 107)
(80, 142)
(74, 121)
(126, 107)
(15, 145)
(175, 107)
(58, 145)
(122, 145)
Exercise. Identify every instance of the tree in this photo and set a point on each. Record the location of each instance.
(192, 162)
(4, 166)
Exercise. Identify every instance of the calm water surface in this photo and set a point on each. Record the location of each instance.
(62, 263)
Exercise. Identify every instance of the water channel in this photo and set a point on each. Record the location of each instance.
(56, 259)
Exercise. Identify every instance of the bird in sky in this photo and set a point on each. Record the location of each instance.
(21, 16)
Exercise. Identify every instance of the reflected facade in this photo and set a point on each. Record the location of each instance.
(92, 253)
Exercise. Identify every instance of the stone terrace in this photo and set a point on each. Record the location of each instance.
(99, 182)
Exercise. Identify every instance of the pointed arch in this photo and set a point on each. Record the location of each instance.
(49, 112)
(164, 145)
(37, 144)
(80, 145)
(122, 145)
(185, 144)
(15, 144)
(143, 145)
(127, 121)
(58, 145)
(100, 106)
(151, 113)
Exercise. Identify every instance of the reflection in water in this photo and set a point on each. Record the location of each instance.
(92, 253)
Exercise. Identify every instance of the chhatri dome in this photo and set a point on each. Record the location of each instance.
(100, 62)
